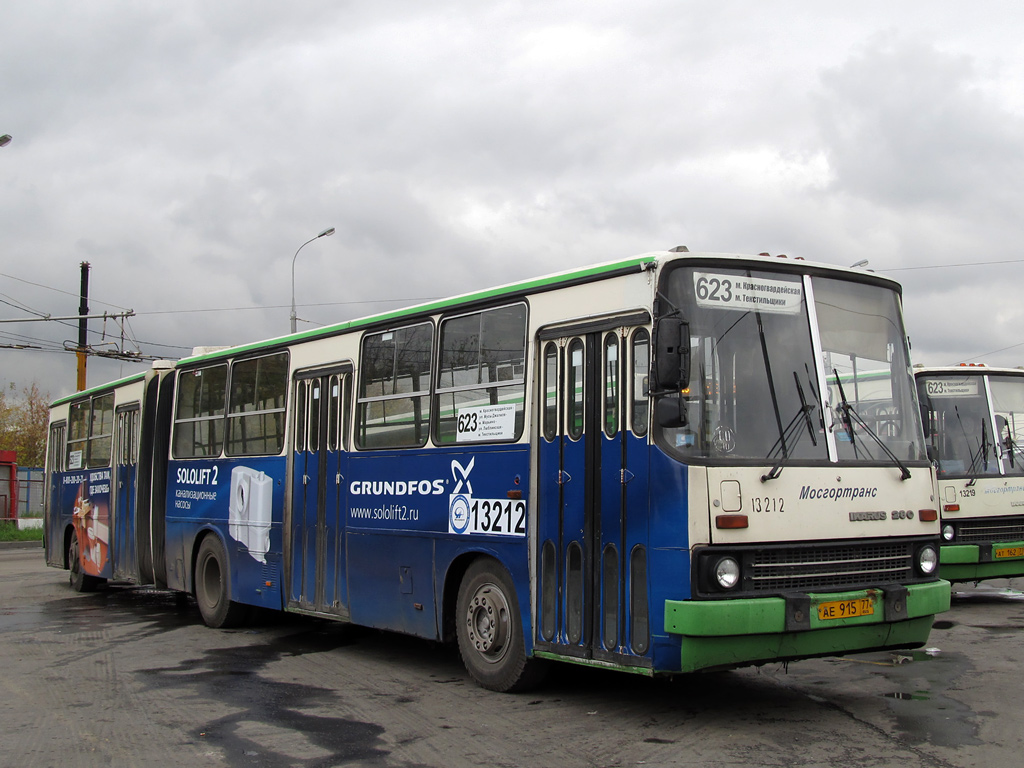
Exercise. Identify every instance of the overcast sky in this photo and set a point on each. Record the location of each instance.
(187, 149)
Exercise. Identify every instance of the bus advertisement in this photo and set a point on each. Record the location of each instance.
(971, 414)
(659, 465)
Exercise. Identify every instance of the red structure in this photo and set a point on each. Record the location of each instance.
(8, 485)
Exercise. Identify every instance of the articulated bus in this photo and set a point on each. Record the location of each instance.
(644, 465)
(971, 414)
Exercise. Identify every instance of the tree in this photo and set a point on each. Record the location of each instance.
(24, 422)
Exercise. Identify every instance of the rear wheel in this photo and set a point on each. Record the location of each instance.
(490, 631)
(212, 589)
(79, 580)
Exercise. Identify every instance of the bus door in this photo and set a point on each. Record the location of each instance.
(592, 512)
(124, 482)
(319, 498)
(53, 522)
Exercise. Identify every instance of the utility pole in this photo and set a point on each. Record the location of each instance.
(83, 332)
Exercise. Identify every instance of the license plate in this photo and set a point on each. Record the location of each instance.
(1008, 552)
(845, 609)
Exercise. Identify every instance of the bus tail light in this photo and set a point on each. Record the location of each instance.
(928, 515)
(731, 521)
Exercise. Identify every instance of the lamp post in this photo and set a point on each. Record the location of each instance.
(325, 233)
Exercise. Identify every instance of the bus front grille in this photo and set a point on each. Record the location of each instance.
(832, 567)
(985, 529)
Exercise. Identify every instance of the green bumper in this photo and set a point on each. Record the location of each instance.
(973, 562)
(731, 633)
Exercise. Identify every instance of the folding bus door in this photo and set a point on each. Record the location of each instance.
(319, 507)
(592, 513)
(125, 482)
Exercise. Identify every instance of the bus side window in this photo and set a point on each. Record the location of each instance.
(257, 407)
(394, 388)
(641, 361)
(57, 448)
(101, 430)
(300, 414)
(611, 384)
(199, 412)
(334, 413)
(550, 388)
(482, 373)
(575, 391)
(78, 434)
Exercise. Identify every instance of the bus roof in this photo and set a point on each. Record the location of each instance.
(641, 262)
(965, 369)
(110, 385)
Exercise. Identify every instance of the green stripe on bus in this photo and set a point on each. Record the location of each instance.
(697, 653)
(527, 286)
(100, 388)
(757, 616)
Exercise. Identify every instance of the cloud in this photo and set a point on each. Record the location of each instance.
(186, 151)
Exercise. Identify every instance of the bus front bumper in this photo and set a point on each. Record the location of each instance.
(719, 634)
(976, 562)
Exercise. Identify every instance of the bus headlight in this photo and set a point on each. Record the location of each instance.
(948, 532)
(727, 573)
(927, 560)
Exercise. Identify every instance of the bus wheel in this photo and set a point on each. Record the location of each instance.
(212, 587)
(490, 631)
(79, 580)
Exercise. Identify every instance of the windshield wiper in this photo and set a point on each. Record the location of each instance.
(1009, 442)
(850, 416)
(788, 432)
(981, 457)
(771, 387)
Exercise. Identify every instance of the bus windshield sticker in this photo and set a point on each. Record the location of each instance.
(747, 293)
(75, 460)
(487, 422)
(952, 387)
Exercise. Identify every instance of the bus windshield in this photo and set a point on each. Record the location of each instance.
(791, 367)
(973, 438)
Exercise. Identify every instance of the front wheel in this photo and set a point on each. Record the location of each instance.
(79, 580)
(490, 631)
(212, 589)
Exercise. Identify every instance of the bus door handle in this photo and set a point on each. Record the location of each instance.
(338, 478)
(625, 476)
(563, 477)
(305, 479)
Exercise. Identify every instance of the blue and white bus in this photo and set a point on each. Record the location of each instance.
(643, 465)
(971, 423)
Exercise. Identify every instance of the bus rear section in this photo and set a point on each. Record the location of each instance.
(974, 425)
(101, 468)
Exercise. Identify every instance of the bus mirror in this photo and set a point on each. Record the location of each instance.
(670, 411)
(925, 420)
(672, 354)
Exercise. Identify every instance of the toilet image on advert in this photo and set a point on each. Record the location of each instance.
(251, 505)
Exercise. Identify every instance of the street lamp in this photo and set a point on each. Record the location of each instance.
(5, 140)
(325, 233)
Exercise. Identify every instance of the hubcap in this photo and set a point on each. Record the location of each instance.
(487, 622)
